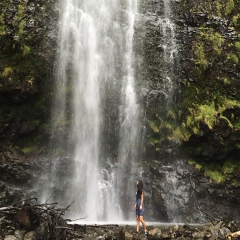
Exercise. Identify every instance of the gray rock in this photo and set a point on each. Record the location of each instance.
(10, 237)
(155, 231)
(19, 234)
(31, 236)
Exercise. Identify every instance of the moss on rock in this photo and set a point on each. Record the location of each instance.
(26, 59)
(211, 92)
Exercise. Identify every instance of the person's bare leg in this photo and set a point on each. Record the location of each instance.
(143, 223)
(138, 222)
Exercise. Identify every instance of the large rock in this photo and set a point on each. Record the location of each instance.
(10, 237)
(31, 236)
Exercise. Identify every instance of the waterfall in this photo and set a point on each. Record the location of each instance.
(78, 97)
(94, 92)
(175, 193)
(128, 152)
(169, 46)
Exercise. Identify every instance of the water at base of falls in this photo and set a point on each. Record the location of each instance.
(133, 223)
(95, 89)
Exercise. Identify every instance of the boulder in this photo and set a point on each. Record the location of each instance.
(125, 234)
(10, 237)
(155, 231)
(19, 234)
(31, 236)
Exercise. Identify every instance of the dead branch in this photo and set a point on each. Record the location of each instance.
(24, 201)
(69, 220)
(49, 198)
(68, 228)
(65, 209)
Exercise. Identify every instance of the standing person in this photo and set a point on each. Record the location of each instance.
(139, 206)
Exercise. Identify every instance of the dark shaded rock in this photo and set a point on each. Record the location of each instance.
(24, 218)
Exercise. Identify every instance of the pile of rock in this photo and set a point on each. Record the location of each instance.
(29, 220)
(211, 231)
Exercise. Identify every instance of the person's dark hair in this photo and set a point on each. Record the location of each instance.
(139, 188)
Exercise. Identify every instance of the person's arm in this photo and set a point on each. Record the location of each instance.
(142, 201)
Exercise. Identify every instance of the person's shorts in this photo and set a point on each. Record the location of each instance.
(140, 212)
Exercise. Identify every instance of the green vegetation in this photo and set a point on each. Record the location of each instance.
(153, 125)
(19, 16)
(32, 149)
(217, 41)
(192, 120)
(207, 114)
(229, 7)
(202, 113)
(154, 141)
(237, 45)
(205, 53)
(232, 58)
(200, 54)
(228, 168)
(21, 29)
(2, 25)
(211, 90)
(20, 12)
(7, 72)
(197, 165)
(25, 91)
(228, 104)
(235, 20)
(226, 81)
(171, 115)
(219, 7)
(26, 50)
(216, 173)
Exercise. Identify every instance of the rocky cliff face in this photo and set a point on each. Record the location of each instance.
(28, 32)
(192, 122)
(210, 99)
(204, 113)
(194, 138)
(210, 87)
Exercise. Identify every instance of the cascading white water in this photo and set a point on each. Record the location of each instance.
(175, 196)
(129, 113)
(169, 46)
(78, 75)
(95, 61)
(129, 108)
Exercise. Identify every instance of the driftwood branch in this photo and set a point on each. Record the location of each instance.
(68, 228)
(24, 201)
(70, 220)
(49, 198)
(2, 209)
(65, 209)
